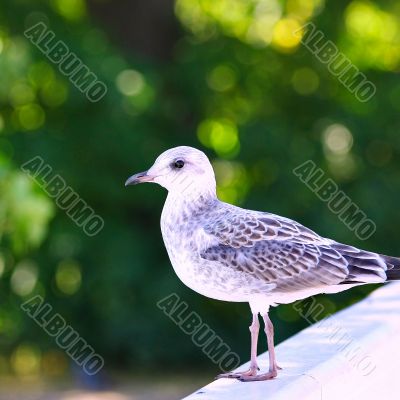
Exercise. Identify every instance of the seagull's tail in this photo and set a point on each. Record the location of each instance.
(393, 267)
(368, 267)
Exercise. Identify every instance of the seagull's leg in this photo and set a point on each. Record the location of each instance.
(252, 371)
(273, 366)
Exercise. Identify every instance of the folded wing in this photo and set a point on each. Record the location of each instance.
(283, 252)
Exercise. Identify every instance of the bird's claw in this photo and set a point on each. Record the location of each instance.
(261, 377)
(239, 374)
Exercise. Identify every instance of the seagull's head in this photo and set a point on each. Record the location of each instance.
(181, 170)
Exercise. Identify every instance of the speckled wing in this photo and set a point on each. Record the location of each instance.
(238, 228)
(280, 251)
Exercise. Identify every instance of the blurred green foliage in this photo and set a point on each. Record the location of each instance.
(240, 86)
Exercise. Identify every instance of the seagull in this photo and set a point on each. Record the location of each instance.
(232, 254)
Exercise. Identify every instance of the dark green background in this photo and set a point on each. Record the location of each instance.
(196, 65)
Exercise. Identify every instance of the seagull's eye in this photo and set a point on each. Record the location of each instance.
(179, 164)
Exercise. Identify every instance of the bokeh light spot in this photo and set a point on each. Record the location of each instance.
(68, 277)
(305, 81)
(337, 139)
(24, 278)
(303, 8)
(221, 78)
(266, 14)
(25, 360)
(284, 34)
(70, 9)
(21, 93)
(30, 116)
(233, 181)
(130, 82)
(221, 135)
(40, 74)
(54, 93)
(375, 36)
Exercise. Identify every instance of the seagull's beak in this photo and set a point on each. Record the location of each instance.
(139, 178)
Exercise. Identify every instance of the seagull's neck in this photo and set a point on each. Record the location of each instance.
(191, 201)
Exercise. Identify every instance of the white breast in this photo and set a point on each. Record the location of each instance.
(184, 241)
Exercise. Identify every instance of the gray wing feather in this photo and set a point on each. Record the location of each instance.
(291, 266)
(281, 251)
(245, 229)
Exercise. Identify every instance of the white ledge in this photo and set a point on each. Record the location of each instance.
(353, 354)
